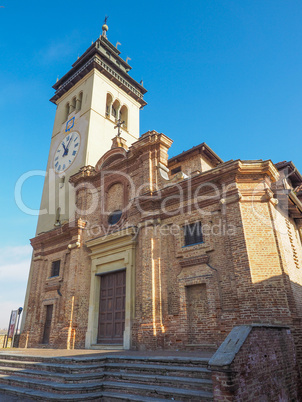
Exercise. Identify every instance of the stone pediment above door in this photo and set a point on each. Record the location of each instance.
(115, 242)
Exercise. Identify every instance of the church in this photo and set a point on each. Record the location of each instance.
(136, 250)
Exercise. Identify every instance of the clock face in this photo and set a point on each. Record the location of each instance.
(66, 152)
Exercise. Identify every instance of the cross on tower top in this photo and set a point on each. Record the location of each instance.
(118, 126)
(105, 26)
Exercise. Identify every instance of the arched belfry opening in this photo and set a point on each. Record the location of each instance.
(79, 101)
(66, 111)
(124, 116)
(72, 105)
(108, 105)
(115, 109)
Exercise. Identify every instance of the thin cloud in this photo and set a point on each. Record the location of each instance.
(14, 254)
(14, 269)
(56, 51)
(14, 263)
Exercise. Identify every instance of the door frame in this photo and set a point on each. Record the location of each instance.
(101, 275)
(47, 307)
(42, 316)
(108, 254)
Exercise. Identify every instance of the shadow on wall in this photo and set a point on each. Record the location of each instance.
(263, 360)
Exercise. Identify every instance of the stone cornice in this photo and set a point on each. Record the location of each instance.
(203, 149)
(226, 169)
(58, 235)
(188, 262)
(121, 79)
(225, 172)
(218, 174)
(259, 167)
(151, 138)
(84, 173)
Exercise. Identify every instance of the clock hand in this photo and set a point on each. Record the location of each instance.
(66, 150)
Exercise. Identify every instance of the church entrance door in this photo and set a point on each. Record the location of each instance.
(112, 308)
(47, 324)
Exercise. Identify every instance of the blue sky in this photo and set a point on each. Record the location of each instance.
(227, 72)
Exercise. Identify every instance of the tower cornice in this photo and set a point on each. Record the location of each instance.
(96, 56)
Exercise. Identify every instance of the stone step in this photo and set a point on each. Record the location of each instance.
(191, 371)
(146, 390)
(82, 360)
(52, 367)
(88, 359)
(106, 377)
(49, 386)
(55, 376)
(166, 380)
(159, 360)
(28, 395)
(163, 380)
(182, 371)
(164, 392)
(119, 397)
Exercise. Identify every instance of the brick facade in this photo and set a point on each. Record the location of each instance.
(247, 269)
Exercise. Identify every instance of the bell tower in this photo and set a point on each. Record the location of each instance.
(95, 95)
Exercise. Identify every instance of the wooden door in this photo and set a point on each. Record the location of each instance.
(47, 324)
(112, 308)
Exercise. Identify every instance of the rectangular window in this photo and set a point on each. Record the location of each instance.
(176, 170)
(193, 234)
(55, 268)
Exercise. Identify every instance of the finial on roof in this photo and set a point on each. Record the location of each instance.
(105, 27)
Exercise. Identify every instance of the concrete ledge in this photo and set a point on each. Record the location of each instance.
(227, 351)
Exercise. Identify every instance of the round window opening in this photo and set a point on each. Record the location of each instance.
(114, 217)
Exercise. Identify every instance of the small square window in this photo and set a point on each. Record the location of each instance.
(114, 218)
(193, 234)
(55, 268)
(176, 170)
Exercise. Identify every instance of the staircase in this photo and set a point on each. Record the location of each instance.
(106, 378)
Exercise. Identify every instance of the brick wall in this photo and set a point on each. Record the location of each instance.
(262, 367)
